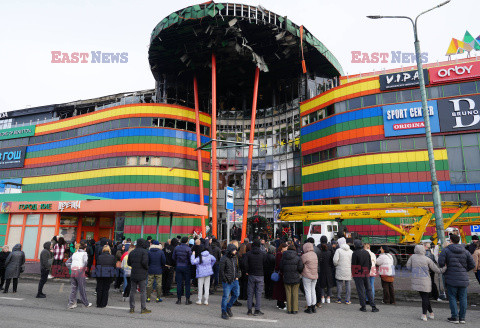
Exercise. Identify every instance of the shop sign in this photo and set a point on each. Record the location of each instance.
(21, 132)
(66, 205)
(12, 157)
(400, 80)
(407, 119)
(455, 72)
(459, 114)
(34, 207)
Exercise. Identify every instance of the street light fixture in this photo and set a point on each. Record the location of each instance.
(437, 201)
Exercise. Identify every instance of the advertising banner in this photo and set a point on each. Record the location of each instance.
(12, 133)
(459, 114)
(400, 80)
(407, 119)
(455, 72)
(229, 198)
(12, 157)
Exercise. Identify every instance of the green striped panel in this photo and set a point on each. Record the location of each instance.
(113, 142)
(345, 126)
(373, 169)
(115, 180)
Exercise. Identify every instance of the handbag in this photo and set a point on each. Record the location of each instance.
(22, 268)
(275, 276)
(388, 278)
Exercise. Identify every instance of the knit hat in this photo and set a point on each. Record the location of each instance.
(474, 237)
(155, 242)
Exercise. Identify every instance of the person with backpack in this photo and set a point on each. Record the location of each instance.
(361, 266)
(14, 266)
(254, 262)
(78, 264)
(127, 271)
(204, 263)
(138, 260)
(105, 272)
(181, 256)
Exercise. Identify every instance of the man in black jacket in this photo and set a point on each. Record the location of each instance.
(361, 265)
(46, 260)
(229, 278)
(254, 262)
(167, 277)
(138, 260)
(217, 252)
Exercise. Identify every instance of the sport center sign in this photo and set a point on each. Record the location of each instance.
(459, 114)
(455, 72)
(407, 119)
(401, 80)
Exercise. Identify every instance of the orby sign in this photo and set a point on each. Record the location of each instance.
(454, 72)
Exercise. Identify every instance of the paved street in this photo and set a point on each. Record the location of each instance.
(23, 310)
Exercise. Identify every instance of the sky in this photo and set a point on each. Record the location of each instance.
(32, 29)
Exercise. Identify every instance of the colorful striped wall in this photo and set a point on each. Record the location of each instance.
(128, 181)
(367, 174)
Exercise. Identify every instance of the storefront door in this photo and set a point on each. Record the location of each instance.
(89, 229)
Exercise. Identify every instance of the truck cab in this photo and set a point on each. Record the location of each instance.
(322, 228)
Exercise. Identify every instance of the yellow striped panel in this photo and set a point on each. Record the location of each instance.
(154, 171)
(387, 158)
(339, 92)
(117, 111)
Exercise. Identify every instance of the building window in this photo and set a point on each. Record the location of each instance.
(463, 158)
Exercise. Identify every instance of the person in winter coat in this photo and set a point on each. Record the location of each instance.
(254, 262)
(169, 269)
(14, 265)
(217, 253)
(204, 263)
(325, 263)
(91, 255)
(361, 266)
(228, 271)
(268, 269)
(156, 263)
(58, 255)
(105, 272)
(279, 293)
(3, 257)
(473, 245)
(310, 276)
(291, 267)
(181, 255)
(120, 249)
(476, 259)
(420, 266)
(434, 294)
(458, 261)
(127, 271)
(46, 260)
(386, 271)
(373, 271)
(78, 265)
(343, 273)
(138, 260)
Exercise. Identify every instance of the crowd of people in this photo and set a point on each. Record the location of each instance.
(279, 270)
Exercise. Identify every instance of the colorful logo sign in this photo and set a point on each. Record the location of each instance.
(407, 119)
(468, 44)
(401, 80)
(459, 114)
(455, 72)
(12, 157)
(13, 133)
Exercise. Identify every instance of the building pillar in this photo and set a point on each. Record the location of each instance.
(213, 176)
(199, 152)
(250, 155)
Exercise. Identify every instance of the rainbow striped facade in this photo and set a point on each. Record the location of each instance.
(339, 168)
(107, 160)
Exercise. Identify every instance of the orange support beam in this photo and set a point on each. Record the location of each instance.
(250, 155)
(213, 178)
(199, 152)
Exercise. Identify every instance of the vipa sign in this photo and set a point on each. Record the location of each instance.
(12, 157)
(407, 119)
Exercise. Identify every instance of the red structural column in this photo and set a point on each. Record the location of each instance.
(199, 152)
(213, 178)
(250, 155)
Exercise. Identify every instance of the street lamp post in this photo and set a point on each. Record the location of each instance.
(437, 200)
